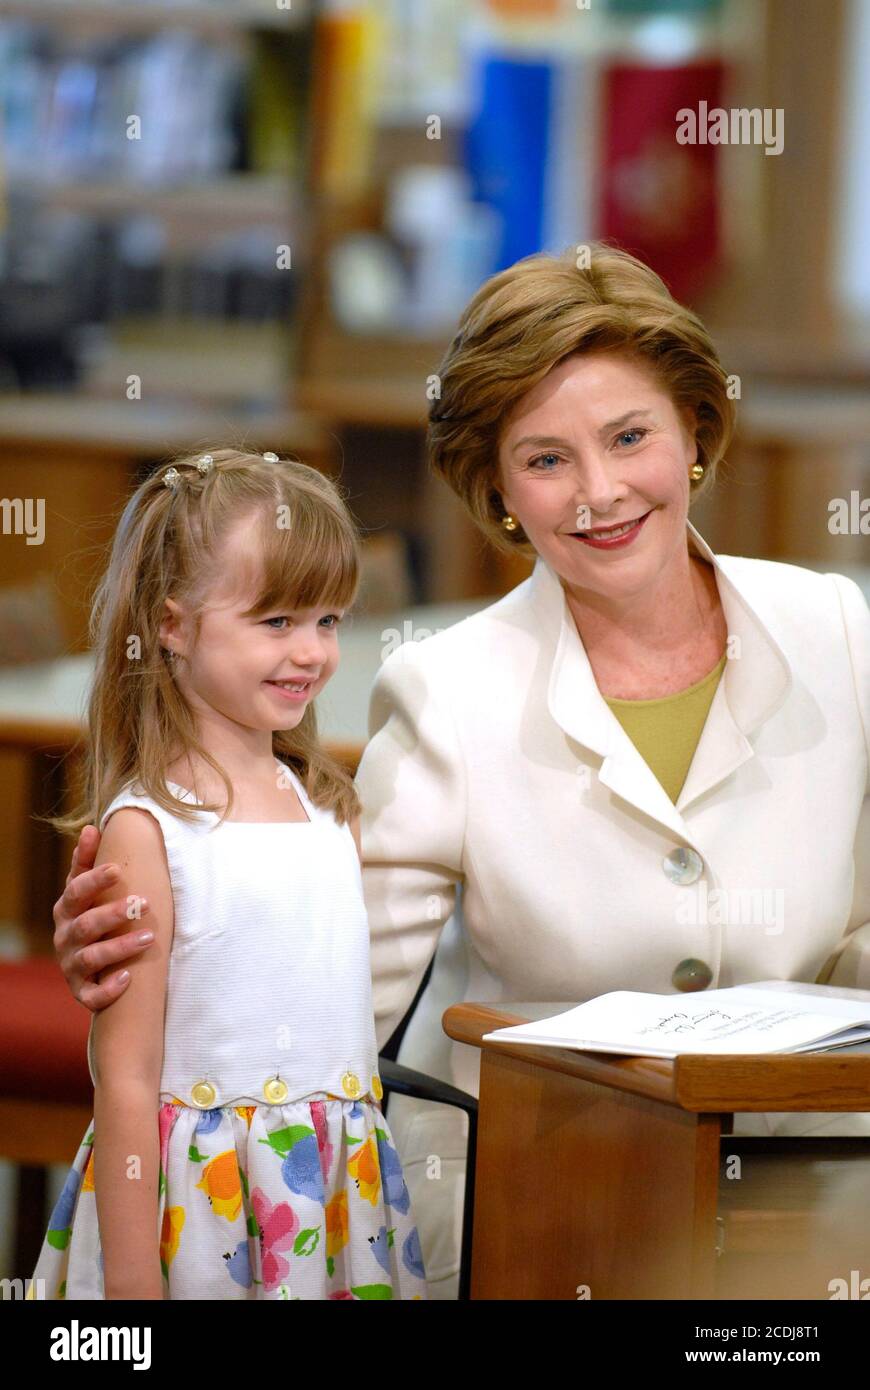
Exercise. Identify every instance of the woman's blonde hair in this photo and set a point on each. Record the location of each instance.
(525, 320)
(168, 545)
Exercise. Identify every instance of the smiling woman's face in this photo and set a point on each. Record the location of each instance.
(595, 444)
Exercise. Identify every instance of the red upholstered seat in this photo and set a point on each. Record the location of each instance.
(43, 1035)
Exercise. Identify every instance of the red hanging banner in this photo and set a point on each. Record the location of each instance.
(659, 197)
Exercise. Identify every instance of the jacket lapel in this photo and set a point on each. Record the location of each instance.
(756, 679)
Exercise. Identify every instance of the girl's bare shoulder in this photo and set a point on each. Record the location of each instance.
(132, 834)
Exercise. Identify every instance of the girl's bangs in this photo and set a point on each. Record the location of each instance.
(311, 564)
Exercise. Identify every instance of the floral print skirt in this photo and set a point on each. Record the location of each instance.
(300, 1200)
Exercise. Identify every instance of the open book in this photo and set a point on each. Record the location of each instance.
(771, 1016)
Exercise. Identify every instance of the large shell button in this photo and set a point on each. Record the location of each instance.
(691, 975)
(350, 1084)
(275, 1090)
(377, 1088)
(683, 865)
(203, 1094)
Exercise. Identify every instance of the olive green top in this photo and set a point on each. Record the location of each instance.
(666, 731)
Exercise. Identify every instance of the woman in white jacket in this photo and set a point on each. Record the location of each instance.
(715, 833)
(646, 767)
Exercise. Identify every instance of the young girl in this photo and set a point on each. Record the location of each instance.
(238, 1148)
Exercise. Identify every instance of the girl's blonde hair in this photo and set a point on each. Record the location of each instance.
(531, 316)
(167, 545)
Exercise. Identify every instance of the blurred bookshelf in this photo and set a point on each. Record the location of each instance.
(154, 196)
(155, 165)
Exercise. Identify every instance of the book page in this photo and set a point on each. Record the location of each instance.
(718, 1021)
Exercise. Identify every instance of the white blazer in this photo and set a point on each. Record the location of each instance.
(495, 767)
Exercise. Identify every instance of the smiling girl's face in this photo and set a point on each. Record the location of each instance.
(595, 444)
(239, 667)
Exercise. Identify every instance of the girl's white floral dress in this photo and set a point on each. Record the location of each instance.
(279, 1177)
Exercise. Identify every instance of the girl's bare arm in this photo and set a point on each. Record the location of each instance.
(128, 1059)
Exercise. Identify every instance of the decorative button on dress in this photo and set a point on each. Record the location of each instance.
(279, 1177)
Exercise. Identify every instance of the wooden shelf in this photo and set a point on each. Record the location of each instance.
(385, 402)
(219, 364)
(201, 207)
(144, 16)
(143, 429)
(836, 355)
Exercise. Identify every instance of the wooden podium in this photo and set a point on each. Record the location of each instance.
(616, 1177)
